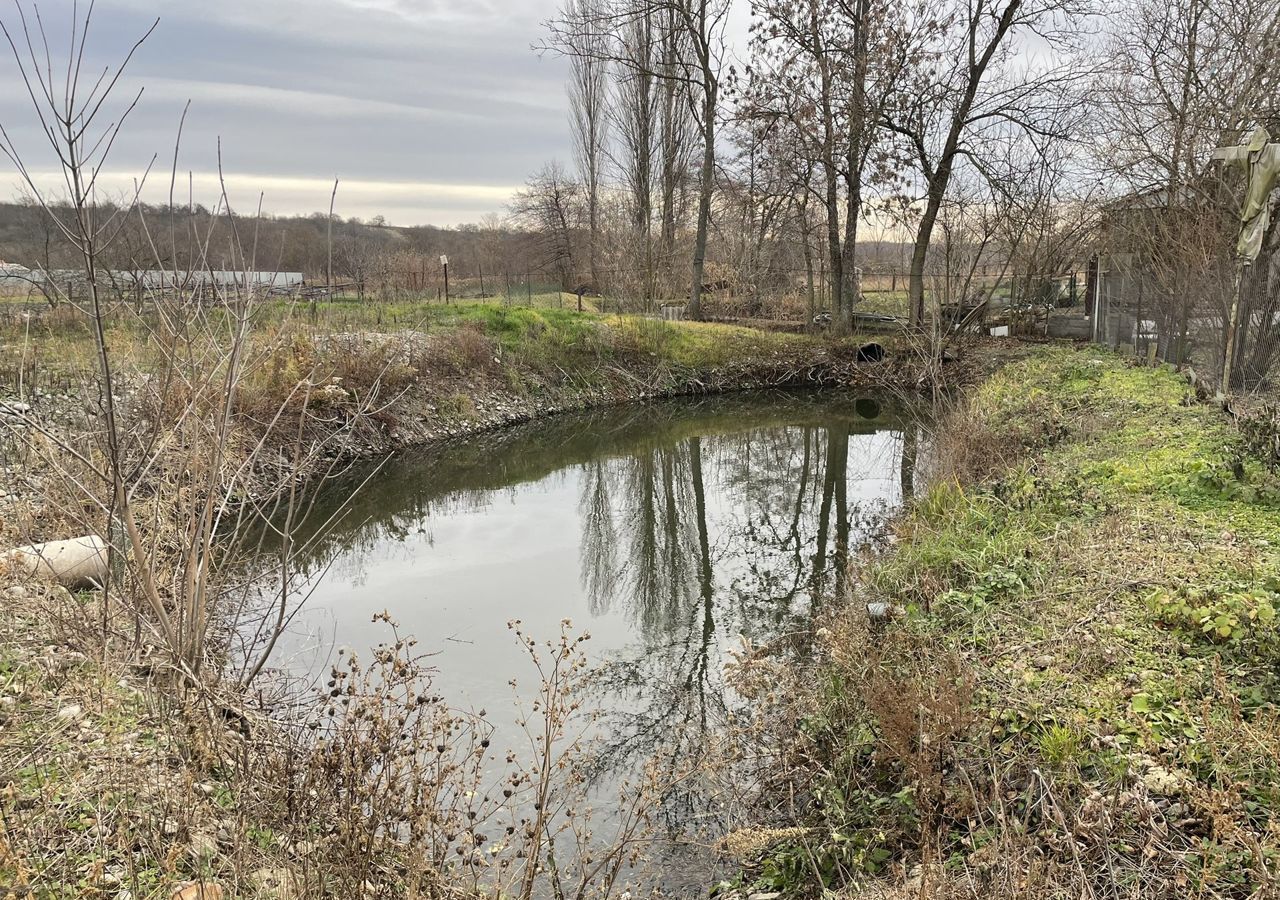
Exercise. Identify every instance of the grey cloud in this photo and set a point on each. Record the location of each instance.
(380, 91)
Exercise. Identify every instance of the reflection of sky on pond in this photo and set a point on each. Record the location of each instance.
(669, 537)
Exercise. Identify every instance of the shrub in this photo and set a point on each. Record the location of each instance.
(1226, 611)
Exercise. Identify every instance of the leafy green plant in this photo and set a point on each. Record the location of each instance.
(1223, 612)
(790, 868)
(1162, 714)
(998, 582)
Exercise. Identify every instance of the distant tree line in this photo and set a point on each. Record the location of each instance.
(982, 133)
(372, 255)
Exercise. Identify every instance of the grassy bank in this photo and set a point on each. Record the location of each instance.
(59, 342)
(308, 393)
(542, 353)
(1077, 695)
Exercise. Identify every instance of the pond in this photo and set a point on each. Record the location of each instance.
(670, 531)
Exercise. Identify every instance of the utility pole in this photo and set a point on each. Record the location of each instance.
(328, 270)
(1260, 158)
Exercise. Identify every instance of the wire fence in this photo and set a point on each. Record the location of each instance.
(1111, 305)
(1186, 324)
(780, 294)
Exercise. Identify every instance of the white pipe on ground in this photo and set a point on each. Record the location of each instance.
(77, 563)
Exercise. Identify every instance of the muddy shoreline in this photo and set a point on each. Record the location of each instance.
(419, 422)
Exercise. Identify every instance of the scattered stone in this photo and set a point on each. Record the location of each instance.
(1044, 662)
(66, 660)
(1161, 781)
(276, 884)
(12, 412)
(203, 847)
(169, 827)
(70, 713)
(197, 890)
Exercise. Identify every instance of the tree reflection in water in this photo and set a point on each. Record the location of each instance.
(720, 536)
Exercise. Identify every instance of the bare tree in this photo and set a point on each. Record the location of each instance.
(692, 38)
(655, 130)
(588, 110)
(635, 118)
(551, 208)
(678, 133)
(978, 89)
(702, 23)
(823, 73)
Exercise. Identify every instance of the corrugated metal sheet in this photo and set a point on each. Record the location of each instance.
(157, 278)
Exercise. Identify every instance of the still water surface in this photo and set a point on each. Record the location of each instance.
(670, 531)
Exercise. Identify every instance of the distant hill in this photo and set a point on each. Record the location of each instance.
(295, 243)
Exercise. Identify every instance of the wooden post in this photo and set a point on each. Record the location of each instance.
(1137, 325)
(328, 270)
(1232, 324)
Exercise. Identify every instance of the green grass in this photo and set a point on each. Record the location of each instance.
(550, 340)
(885, 303)
(1109, 594)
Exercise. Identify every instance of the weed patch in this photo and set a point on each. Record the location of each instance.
(1079, 697)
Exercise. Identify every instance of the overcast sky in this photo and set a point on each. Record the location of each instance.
(430, 111)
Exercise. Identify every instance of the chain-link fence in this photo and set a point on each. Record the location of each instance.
(1184, 317)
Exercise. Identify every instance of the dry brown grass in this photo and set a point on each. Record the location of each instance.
(112, 782)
